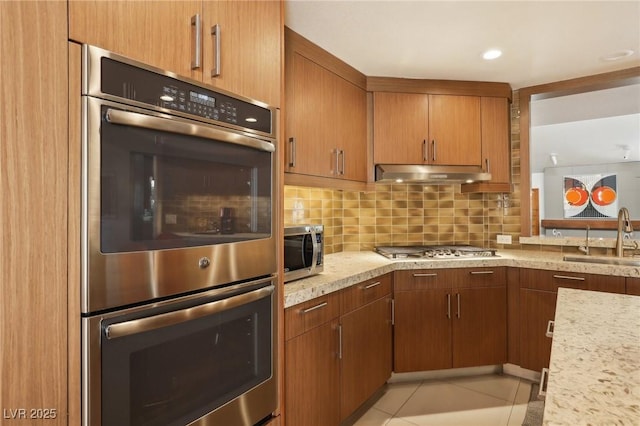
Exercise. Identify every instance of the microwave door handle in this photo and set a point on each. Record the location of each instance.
(316, 248)
(135, 119)
(141, 325)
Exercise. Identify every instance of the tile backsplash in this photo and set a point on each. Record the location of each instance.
(401, 214)
(411, 213)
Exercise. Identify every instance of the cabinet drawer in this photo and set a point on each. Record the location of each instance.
(365, 292)
(423, 279)
(552, 280)
(312, 313)
(480, 277)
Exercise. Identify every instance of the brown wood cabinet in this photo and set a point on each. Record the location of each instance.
(412, 128)
(538, 293)
(165, 34)
(312, 364)
(34, 161)
(448, 318)
(366, 342)
(496, 146)
(337, 352)
(326, 116)
(633, 286)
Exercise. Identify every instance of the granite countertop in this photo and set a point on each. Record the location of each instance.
(345, 269)
(594, 372)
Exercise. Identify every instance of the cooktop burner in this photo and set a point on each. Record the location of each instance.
(434, 252)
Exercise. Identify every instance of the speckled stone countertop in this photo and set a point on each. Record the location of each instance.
(345, 269)
(594, 372)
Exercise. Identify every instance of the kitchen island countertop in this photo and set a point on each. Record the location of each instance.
(594, 371)
(345, 269)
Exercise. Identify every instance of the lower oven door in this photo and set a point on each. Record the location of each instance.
(206, 359)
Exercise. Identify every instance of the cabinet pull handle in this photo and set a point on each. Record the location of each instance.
(567, 277)
(393, 311)
(425, 154)
(486, 161)
(544, 378)
(337, 164)
(343, 162)
(367, 287)
(448, 306)
(550, 326)
(215, 33)
(481, 272)
(339, 341)
(458, 297)
(433, 150)
(292, 157)
(196, 31)
(313, 308)
(418, 275)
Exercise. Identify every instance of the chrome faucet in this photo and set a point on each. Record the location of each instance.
(624, 226)
(585, 248)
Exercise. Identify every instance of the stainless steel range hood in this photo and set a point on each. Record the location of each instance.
(418, 173)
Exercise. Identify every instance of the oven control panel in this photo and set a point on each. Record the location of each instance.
(156, 89)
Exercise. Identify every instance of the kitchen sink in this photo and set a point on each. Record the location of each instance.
(609, 260)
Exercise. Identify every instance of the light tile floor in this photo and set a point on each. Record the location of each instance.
(489, 400)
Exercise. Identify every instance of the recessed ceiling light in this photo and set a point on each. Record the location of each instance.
(620, 54)
(491, 54)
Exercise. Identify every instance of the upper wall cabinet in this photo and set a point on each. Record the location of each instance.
(326, 117)
(235, 46)
(443, 122)
(413, 128)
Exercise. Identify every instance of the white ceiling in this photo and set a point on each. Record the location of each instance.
(596, 127)
(542, 41)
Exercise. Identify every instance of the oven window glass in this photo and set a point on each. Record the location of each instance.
(161, 190)
(175, 375)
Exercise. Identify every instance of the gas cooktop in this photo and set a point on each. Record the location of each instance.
(435, 252)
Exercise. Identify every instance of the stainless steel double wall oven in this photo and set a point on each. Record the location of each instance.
(178, 250)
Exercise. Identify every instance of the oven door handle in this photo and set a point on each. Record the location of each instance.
(141, 325)
(128, 118)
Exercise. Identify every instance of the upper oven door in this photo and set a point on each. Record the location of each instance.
(171, 205)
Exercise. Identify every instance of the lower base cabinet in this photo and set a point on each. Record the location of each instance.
(449, 318)
(338, 351)
(312, 372)
(538, 293)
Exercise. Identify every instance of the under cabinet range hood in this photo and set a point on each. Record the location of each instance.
(422, 173)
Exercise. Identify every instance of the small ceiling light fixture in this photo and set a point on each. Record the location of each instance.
(491, 54)
(554, 158)
(615, 56)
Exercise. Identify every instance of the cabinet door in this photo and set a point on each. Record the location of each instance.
(351, 130)
(309, 119)
(250, 41)
(158, 33)
(633, 286)
(400, 128)
(366, 353)
(422, 332)
(312, 377)
(536, 309)
(479, 326)
(454, 130)
(496, 152)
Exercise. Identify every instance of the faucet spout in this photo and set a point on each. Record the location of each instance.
(624, 226)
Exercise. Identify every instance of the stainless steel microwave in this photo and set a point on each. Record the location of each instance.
(303, 251)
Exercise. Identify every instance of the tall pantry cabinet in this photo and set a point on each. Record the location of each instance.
(39, 167)
(33, 212)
